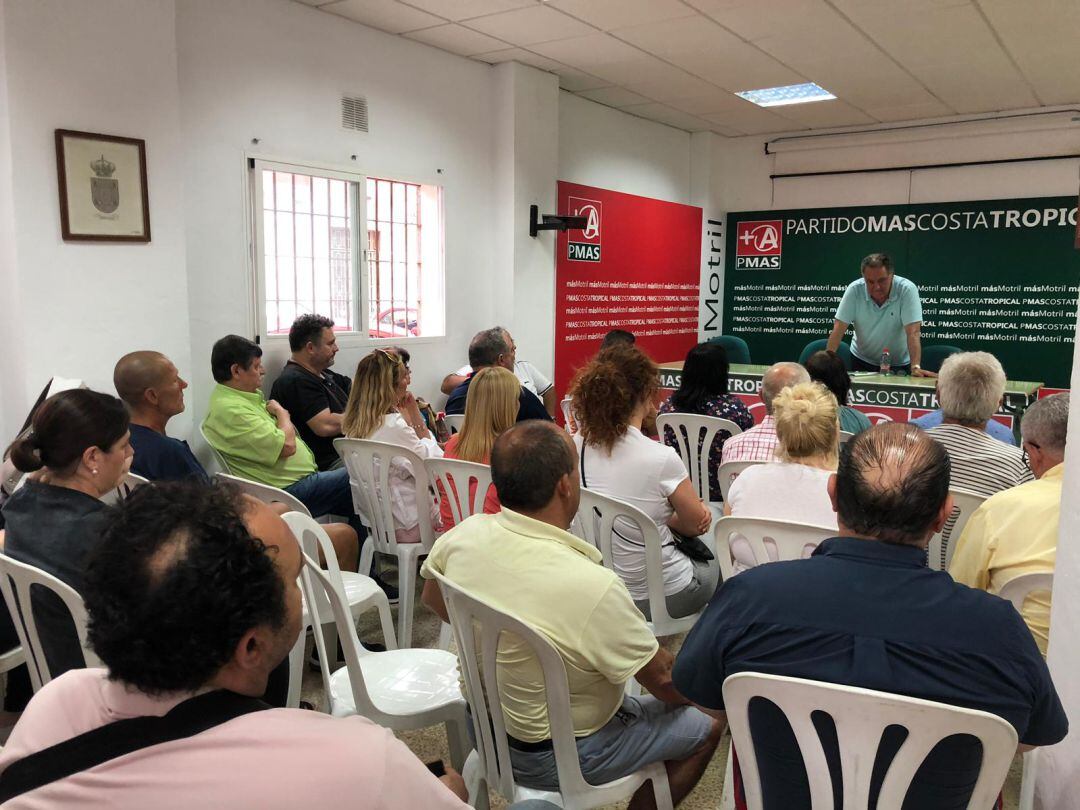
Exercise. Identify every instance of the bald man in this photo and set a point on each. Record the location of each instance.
(865, 611)
(760, 442)
(153, 391)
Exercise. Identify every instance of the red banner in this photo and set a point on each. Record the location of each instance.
(636, 265)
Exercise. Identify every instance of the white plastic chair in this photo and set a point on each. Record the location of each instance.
(17, 582)
(477, 628)
(453, 481)
(568, 418)
(787, 539)
(399, 689)
(219, 459)
(1016, 590)
(595, 519)
(727, 472)
(845, 437)
(369, 464)
(939, 552)
(861, 716)
(362, 593)
(129, 482)
(454, 421)
(694, 435)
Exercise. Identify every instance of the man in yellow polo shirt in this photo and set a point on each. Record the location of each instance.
(1016, 531)
(257, 438)
(523, 561)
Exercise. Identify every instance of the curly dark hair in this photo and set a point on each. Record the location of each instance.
(308, 329)
(607, 390)
(175, 583)
(828, 369)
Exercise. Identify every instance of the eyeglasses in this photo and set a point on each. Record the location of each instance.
(1023, 449)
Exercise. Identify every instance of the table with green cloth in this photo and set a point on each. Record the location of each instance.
(892, 397)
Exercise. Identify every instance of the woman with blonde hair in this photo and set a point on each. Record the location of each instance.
(490, 410)
(613, 395)
(808, 427)
(381, 409)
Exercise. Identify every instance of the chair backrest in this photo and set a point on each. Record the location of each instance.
(727, 472)
(19, 582)
(736, 348)
(454, 421)
(313, 539)
(320, 590)
(218, 458)
(463, 485)
(568, 417)
(1017, 589)
(368, 463)
(939, 551)
(843, 351)
(845, 437)
(861, 716)
(128, 483)
(694, 435)
(934, 356)
(477, 627)
(266, 493)
(791, 540)
(596, 518)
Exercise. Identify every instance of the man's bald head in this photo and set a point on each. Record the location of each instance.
(778, 377)
(138, 371)
(892, 483)
(529, 461)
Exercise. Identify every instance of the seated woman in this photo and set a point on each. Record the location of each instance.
(78, 450)
(381, 409)
(613, 394)
(796, 488)
(703, 390)
(828, 369)
(490, 409)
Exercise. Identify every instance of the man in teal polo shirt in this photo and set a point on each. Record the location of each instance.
(886, 312)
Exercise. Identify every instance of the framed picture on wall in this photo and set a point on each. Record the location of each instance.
(102, 180)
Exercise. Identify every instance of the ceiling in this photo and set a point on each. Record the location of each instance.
(680, 61)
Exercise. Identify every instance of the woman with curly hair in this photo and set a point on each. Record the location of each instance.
(613, 395)
(381, 409)
(490, 410)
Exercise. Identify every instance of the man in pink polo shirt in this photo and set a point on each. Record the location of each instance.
(192, 596)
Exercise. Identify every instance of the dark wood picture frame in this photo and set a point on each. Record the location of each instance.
(61, 170)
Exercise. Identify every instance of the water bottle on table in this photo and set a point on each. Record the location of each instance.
(886, 362)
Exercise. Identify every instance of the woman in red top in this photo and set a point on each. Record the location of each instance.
(491, 409)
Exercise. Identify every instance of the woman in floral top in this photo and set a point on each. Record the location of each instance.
(703, 390)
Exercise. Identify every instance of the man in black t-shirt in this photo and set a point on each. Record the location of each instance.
(314, 396)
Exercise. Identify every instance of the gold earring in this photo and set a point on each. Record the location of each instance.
(94, 472)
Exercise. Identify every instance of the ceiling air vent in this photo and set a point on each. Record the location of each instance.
(354, 113)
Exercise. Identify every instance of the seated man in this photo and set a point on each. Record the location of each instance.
(153, 391)
(529, 375)
(258, 441)
(523, 561)
(193, 600)
(1016, 531)
(994, 428)
(760, 442)
(495, 347)
(314, 396)
(864, 611)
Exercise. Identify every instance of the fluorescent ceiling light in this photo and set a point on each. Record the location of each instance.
(792, 94)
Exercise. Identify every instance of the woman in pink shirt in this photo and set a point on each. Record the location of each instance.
(490, 409)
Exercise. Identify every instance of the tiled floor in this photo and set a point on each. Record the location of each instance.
(430, 744)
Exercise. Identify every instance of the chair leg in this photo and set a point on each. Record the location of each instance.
(475, 782)
(406, 593)
(445, 636)
(727, 793)
(296, 670)
(457, 739)
(1027, 781)
(386, 620)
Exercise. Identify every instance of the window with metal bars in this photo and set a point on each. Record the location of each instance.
(310, 260)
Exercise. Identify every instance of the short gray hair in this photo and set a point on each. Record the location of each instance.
(779, 376)
(877, 260)
(486, 346)
(970, 387)
(1046, 422)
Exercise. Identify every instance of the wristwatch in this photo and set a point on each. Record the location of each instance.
(916, 366)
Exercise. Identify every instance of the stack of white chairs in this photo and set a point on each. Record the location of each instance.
(477, 629)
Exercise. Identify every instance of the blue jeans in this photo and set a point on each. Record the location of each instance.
(328, 493)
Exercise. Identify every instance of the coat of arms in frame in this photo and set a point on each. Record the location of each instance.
(103, 193)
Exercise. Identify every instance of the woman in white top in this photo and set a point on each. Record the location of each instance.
(613, 395)
(796, 487)
(381, 408)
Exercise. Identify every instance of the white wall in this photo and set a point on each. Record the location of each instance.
(603, 147)
(107, 67)
(12, 391)
(275, 70)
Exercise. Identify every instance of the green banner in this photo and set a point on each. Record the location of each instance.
(999, 276)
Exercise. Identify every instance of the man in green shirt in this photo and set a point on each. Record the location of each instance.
(257, 438)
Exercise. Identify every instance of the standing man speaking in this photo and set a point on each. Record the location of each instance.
(887, 314)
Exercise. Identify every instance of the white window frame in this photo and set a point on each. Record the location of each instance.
(359, 337)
